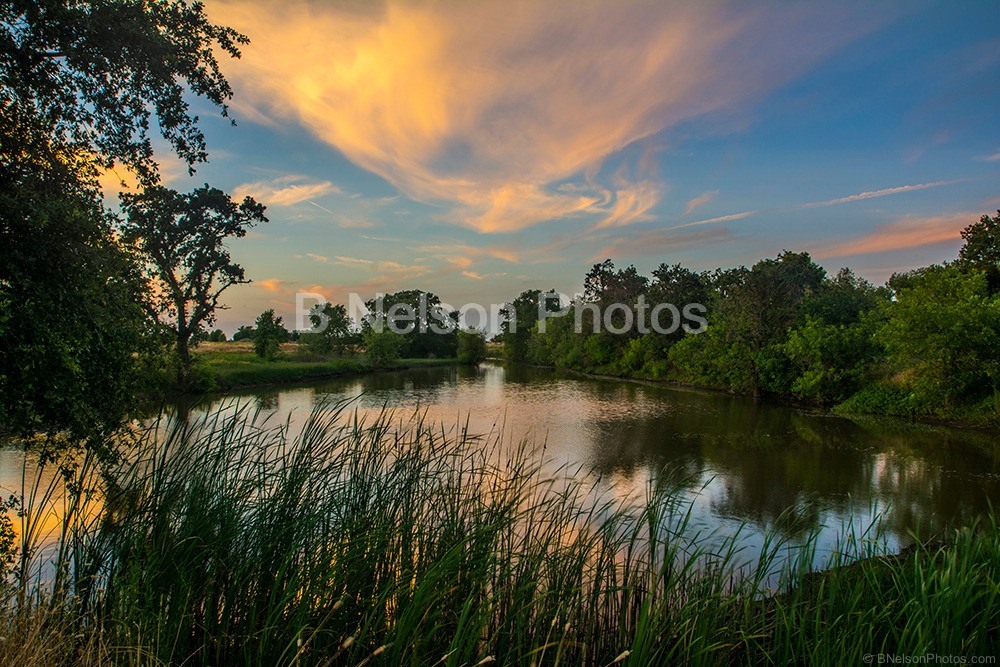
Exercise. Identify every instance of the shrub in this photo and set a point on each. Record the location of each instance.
(471, 346)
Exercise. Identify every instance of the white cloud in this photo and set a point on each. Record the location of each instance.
(286, 190)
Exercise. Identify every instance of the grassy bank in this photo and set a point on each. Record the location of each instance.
(392, 542)
(226, 366)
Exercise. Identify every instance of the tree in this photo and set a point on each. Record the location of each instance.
(333, 329)
(519, 318)
(269, 333)
(981, 250)
(942, 333)
(72, 336)
(217, 336)
(182, 237)
(428, 329)
(245, 332)
(759, 308)
(471, 346)
(382, 346)
(80, 83)
(85, 78)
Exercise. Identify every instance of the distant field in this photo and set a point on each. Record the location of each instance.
(224, 366)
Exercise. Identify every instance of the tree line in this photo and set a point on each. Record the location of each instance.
(383, 341)
(925, 343)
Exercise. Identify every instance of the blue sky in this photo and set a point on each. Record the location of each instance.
(479, 149)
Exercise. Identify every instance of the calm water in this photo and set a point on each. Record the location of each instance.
(759, 465)
(763, 465)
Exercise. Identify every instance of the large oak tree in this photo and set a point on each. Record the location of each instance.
(183, 238)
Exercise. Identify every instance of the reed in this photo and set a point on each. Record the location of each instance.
(398, 541)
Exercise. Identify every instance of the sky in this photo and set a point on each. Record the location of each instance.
(478, 149)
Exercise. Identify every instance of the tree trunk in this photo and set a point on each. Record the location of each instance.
(183, 353)
(184, 357)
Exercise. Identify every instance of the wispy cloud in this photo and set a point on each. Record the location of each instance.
(507, 252)
(487, 107)
(659, 242)
(700, 200)
(389, 272)
(907, 232)
(286, 190)
(885, 192)
(871, 194)
(990, 158)
(713, 221)
(322, 259)
(632, 203)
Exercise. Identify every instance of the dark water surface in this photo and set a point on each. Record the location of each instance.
(762, 465)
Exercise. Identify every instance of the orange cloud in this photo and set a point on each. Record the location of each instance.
(907, 232)
(632, 202)
(275, 285)
(488, 106)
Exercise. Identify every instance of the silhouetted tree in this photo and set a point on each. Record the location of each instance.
(183, 238)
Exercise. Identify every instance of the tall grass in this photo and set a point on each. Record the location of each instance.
(401, 542)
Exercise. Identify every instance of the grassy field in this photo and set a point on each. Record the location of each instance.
(391, 542)
(224, 366)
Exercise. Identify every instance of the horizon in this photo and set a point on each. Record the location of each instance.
(481, 150)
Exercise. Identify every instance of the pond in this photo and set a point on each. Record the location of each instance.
(743, 465)
(757, 464)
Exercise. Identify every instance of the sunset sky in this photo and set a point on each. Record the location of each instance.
(478, 149)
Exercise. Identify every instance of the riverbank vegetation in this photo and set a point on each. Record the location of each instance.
(398, 541)
(922, 345)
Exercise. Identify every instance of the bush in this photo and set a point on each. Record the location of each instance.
(879, 399)
(471, 346)
(382, 347)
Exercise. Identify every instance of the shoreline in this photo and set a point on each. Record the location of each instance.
(787, 401)
(292, 372)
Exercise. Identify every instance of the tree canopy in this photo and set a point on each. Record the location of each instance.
(81, 86)
(183, 238)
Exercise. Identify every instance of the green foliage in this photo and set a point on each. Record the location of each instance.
(334, 330)
(471, 346)
(519, 318)
(418, 318)
(269, 333)
(245, 332)
(709, 360)
(217, 336)
(87, 78)
(880, 399)
(382, 347)
(942, 333)
(981, 250)
(81, 84)
(73, 339)
(832, 361)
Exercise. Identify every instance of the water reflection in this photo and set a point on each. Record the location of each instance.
(740, 461)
